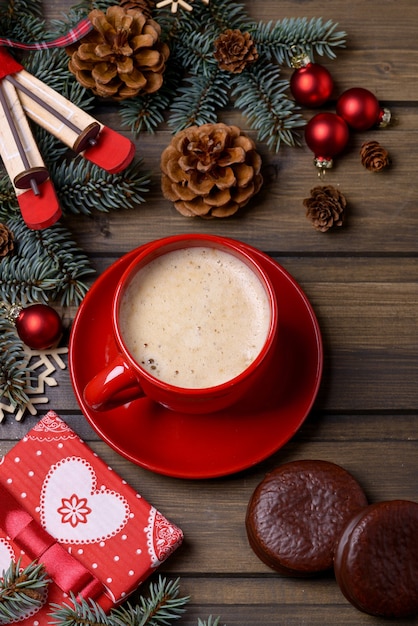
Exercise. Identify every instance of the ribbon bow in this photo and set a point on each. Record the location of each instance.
(67, 572)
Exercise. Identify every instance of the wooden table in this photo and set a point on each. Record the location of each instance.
(362, 281)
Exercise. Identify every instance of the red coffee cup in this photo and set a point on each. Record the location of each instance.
(195, 321)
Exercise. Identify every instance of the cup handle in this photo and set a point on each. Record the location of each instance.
(113, 386)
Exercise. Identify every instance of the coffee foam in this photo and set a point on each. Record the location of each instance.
(195, 317)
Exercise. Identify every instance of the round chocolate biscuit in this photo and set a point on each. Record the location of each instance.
(297, 513)
(376, 559)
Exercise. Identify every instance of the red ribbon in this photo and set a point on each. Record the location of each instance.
(8, 65)
(76, 33)
(68, 573)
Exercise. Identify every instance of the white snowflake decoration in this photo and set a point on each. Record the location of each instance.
(176, 3)
(44, 364)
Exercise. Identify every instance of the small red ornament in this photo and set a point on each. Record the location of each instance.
(361, 110)
(326, 134)
(311, 84)
(38, 325)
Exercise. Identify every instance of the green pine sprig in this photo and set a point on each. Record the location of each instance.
(21, 591)
(278, 41)
(205, 89)
(148, 112)
(211, 621)
(13, 366)
(21, 20)
(84, 187)
(47, 265)
(162, 606)
(262, 96)
(198, 100)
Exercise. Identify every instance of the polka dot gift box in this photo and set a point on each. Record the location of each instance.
(61, 504)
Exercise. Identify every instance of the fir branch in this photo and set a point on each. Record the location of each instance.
(211, 621)
(194, 50)
(86, 612)
(85, 6)
(161, 607)
(13, 369)
(21, 591)
(223, 14)
(22, 27)
(147, 112)
(144, 113)
(51, 67)
(199, 99)
(25, 279)
(57, 268)
(8, 201)
(17, 8)
(262, 96)
(278, 40)
(83, 187)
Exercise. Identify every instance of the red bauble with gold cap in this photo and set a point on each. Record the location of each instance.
(311, 84)
(38, 325)
(326, 134)
(361, 110)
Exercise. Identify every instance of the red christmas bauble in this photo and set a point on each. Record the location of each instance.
(39, 326)
(311, 85)
(359, 108)
(326, 134)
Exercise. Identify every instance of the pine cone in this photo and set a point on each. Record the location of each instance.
(122, 56)
(210, 170)
(373, 156)
(325, 208)
(146, 6)
(6, 240)
(234, 50)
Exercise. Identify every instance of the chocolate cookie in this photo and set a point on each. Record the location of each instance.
(297, 513)
(376, 559)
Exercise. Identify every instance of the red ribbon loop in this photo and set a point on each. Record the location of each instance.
(73, 35)
(68, 573)
(8, 65)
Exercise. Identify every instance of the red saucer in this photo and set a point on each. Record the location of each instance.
(218, 444)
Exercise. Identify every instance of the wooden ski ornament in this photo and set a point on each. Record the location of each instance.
(23, 162)
(74, 127)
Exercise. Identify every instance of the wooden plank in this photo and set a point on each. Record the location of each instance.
(362, 282)
(380, 215)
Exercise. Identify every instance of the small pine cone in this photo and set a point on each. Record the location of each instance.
(325, 208)
(373, 156)
(122, 56)
(210, 170)
(234, 50)
(7, 240)
(146, 6)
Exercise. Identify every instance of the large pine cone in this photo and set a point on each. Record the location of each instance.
(210, 170)
(122, 56)
(234, 50)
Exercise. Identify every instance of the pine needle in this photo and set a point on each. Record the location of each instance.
(162, 606)
(21, 590)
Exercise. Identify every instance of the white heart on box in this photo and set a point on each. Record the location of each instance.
(6, 554)
(73, 510)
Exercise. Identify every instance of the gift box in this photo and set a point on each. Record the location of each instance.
(61, 504)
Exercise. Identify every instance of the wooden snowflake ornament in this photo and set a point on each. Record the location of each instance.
(175, 4)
